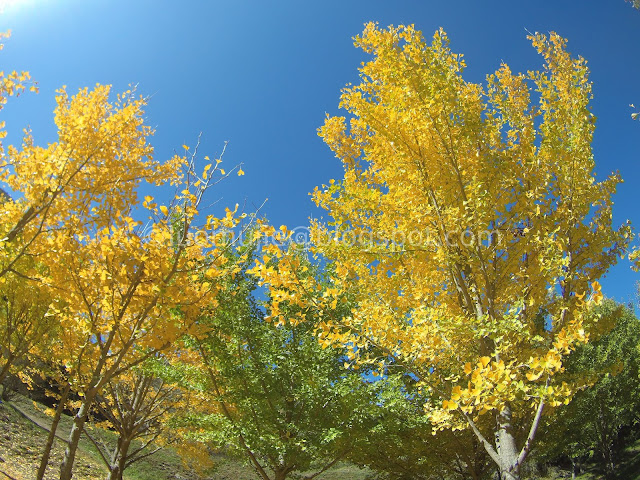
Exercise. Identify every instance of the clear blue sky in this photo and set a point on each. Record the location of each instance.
(262, 75)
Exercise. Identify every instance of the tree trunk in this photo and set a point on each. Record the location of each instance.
(119, 459)
(279, 474)
(44, 460)
(4, 397)
(506, 446)
(5, 370)
(66, 469)
(609, 462)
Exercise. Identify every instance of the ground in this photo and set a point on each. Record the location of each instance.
(24, 427)
(23, 432)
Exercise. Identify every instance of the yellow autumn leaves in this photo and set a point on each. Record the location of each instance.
(114, 287)
(481, 324)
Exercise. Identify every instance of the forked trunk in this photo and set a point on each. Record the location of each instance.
(506, 447)
(279, 474)
(119, 460)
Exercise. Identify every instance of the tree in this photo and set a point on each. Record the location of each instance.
(136, 406)
(121, 292)
(26, 324)
(402, 444)
(268, 391)
(62, 396)
(594, 422)
(468, 228)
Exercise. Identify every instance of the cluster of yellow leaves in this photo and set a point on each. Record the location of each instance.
(281, 271)
(469, 222)
(83, 180)
(118, 288)
(12, 84)
(492, 383)
(634, 257)
(26, 324)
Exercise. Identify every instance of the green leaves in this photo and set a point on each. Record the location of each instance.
(266, 389)
(609, 403)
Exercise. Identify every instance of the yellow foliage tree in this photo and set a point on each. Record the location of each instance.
(121, 290)
(468, 228)
(14, 214)
(26, 324)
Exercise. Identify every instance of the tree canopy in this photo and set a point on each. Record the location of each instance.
(469, 227)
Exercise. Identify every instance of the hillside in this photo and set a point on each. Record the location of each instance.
(24, 426)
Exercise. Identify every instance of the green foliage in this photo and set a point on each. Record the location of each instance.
(402, 444)
(269, 392)
(592, 427)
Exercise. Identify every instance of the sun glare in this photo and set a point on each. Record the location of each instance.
(9, 5)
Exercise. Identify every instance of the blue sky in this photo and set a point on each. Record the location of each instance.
(261, 75)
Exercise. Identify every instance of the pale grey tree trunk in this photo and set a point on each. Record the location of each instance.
(506, 446)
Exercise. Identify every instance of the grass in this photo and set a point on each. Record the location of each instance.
(21, 444)
(22, 440)
(630, 465)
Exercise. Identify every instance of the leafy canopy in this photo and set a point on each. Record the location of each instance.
(469, 226)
